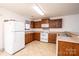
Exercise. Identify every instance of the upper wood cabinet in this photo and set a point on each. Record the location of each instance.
(32, 24)
(37, 24)
(55, 23)
(44, 21)
(52, 37)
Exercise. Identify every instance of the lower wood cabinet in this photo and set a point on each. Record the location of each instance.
(76, 49)
(36, 36)
(28, 37)
(68, 49)
(52, 37)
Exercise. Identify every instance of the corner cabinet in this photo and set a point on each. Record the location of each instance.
(68, 49)
(28, 37)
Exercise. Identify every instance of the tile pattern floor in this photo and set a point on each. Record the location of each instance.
(35, 48)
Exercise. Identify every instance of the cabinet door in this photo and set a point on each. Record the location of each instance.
(32, 24)
(57, 23)
(52, 38)
(44, 21)
(53, 24)
(28, 37)
(37, 24)
(31, 37)
(76, 49)
(65, 48)
(37, 36)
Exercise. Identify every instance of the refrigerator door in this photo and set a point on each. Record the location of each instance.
(8, 36)
(19, 41)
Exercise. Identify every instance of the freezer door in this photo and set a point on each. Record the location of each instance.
(19, 26)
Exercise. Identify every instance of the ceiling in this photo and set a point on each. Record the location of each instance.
(51, 9)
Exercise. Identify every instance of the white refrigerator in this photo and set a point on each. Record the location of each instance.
(14, 39)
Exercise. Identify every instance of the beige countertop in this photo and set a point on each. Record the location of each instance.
(73, 39)
(39, 30)
(29, 31)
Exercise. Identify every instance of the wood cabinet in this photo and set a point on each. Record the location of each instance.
(37, 24)
(76, 49)
(52, 37)
(68, 49)
(36, 36)
(32, 24)
(45, 21)
(56, 23)
(28, 37)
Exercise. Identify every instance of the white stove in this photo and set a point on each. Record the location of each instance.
(44, 36)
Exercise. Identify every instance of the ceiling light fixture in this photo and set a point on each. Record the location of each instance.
(38, 10)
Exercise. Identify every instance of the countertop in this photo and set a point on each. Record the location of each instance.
(73, 39)
(27, 31)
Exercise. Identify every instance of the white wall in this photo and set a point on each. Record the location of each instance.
(7, 15)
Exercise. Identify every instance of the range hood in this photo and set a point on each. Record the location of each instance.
(45, 26)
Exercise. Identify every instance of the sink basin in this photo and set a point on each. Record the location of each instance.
(64, 35)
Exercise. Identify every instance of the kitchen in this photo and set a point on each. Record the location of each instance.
(53, 33)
